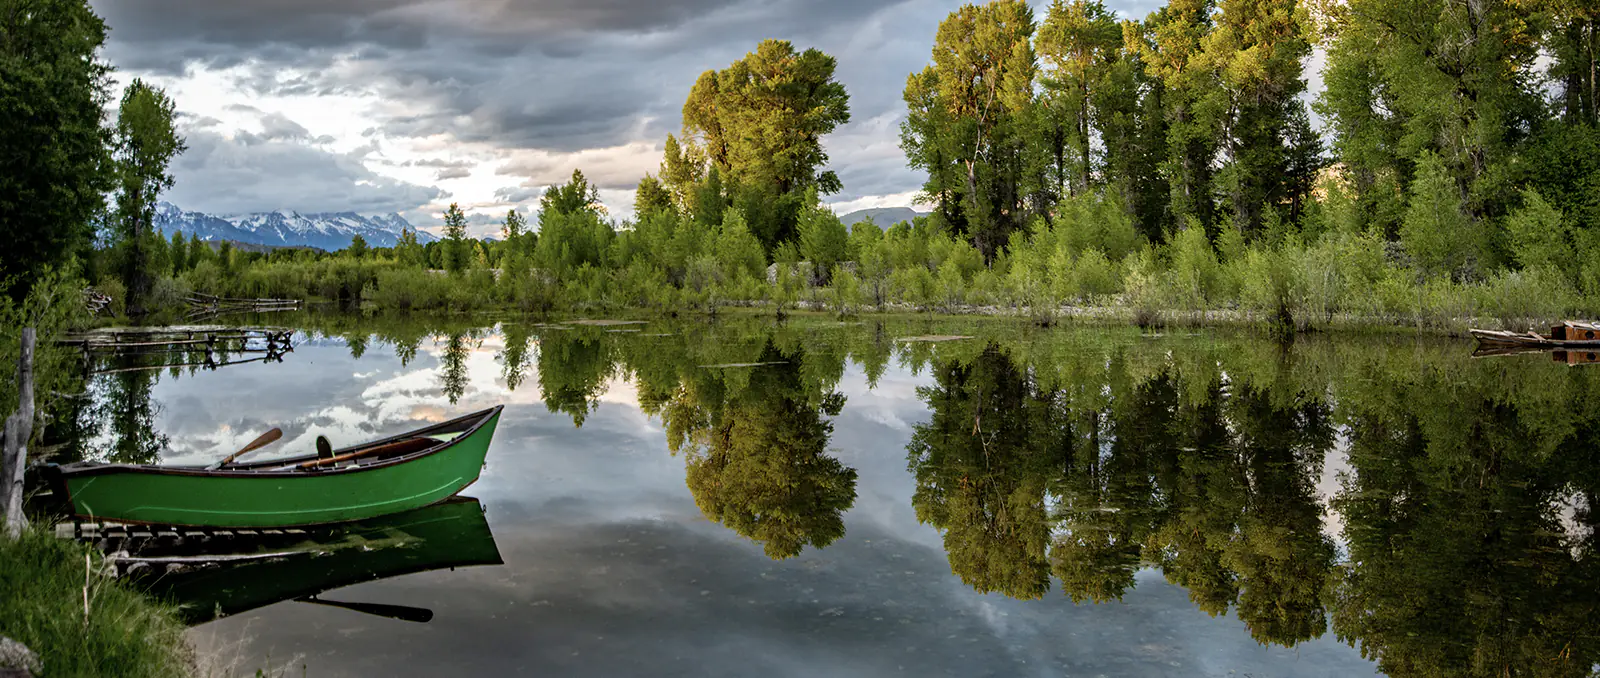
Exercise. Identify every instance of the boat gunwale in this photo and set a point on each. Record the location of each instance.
(82, 469)
(1507, 338)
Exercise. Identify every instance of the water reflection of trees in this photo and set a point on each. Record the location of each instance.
(982, 466)
(1078, 459)
(755, 446)
(1075, 459)
(1029, 478)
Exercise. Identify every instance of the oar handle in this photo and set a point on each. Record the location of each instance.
(264, 440)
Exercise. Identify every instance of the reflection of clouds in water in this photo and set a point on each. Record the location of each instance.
(611, 569)
(1335, 469)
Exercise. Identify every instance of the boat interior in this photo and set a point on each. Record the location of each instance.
(363, 455)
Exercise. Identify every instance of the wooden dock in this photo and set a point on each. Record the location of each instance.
(208, 346)
(124, 532)
(204, 306)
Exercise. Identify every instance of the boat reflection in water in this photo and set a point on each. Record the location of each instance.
(218, 576)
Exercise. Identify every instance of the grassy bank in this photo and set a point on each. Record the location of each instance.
(44, 583)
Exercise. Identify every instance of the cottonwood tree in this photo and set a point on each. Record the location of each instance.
(756, 128)
(57, 167)
(968, 121)
(145, 142)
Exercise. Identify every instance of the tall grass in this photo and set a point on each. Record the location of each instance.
(80, 622)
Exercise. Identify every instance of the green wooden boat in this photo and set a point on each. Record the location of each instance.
(373, 479)
(222, 577)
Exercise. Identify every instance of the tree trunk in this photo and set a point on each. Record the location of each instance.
(18, 430)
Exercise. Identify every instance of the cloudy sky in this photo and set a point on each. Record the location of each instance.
(379, 106)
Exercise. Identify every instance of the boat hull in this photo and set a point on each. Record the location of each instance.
(1499, 338)
(244, 498)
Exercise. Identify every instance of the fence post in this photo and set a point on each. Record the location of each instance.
(18, 430)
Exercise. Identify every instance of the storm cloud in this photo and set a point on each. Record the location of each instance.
(527, 90)
(244, 172)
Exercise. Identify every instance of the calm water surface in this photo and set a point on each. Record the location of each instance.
(817, 498)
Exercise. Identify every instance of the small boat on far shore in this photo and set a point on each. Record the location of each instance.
(411, 470)
(1569, 334)
(1573, 343)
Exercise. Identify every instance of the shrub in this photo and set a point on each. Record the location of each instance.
(1094, 277)
(1193, 276)
(846, 291)
(1143, 287)
(1528, 298)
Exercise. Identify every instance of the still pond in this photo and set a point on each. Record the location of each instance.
(905, 496)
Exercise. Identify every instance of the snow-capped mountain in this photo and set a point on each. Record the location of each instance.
(283, 228)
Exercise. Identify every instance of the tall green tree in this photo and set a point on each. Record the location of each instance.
(1130, 117)
(1453, 79)
(179, 249)
(1194, 103)
(1256, 49)
(569, 198)
(969, 118)
(145, 142)
(572, 232)
(1574, 43)
(56, 164)
(760, 121)
(457, 249)
(409, 251)
(651, 196)
(1079, 43)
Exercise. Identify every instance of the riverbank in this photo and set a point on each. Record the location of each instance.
(55, 599)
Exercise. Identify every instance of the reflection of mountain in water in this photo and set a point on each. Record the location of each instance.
(214, 577)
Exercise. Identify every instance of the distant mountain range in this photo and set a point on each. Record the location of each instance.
(283, 228)
(884, 217)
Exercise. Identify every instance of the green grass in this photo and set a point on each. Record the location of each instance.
(42, 589)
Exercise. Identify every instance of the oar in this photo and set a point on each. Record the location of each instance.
(420, 615)
(265, 439)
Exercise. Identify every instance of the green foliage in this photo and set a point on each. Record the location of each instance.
(738, 252)
(57, 167)
(823, 239)
(651, 197)
(847, 295)
(570, 241)
(757, 126)
(967, 123)
(125, 633)
(1540, 237)
(53, 306)
(1093, 276)
(1193, 276)
(1437, 233)
(456, 252)
(144, 143)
